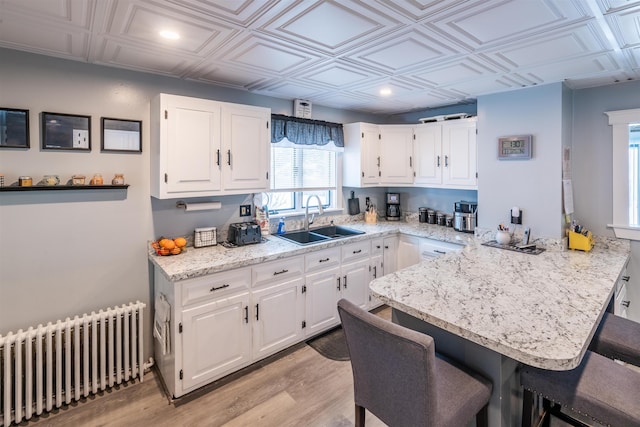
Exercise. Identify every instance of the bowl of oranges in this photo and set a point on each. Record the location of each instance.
(165, 246)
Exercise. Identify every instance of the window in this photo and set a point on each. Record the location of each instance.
(298, 171)
(626, 173)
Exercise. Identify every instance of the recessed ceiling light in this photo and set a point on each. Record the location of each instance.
(385, 91)
(171, 35)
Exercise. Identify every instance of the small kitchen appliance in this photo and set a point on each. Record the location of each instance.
(465, 216)
(205, 236)
(244, 233)
(393, 207)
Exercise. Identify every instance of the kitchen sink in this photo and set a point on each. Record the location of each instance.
(318, 235)
(336, 231)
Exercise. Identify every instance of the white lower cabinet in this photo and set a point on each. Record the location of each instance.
(205, 327)
(408, 251)
(277, 317)
(225, 321)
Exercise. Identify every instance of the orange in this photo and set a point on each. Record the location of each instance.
(180, 242)
(175, 251)
(167, 244)
(163, 251)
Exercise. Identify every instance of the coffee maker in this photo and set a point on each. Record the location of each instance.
(393, 207)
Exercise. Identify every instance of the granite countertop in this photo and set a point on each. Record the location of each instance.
(197, 262)
(541, 310)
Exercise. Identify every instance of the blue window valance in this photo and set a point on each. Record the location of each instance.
(305, 131)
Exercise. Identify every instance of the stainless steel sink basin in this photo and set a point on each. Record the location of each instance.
(318, 235)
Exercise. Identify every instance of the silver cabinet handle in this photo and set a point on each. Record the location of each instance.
(275, 273)
(375, 271)
(338, 283)
(213, 288)
(229, 157)
(438, 161)
(446, 161)
(626, 303)
(344, 284)
(626, 278)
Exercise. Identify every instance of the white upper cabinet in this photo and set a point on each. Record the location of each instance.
(459, 150)
(396, 154)
(440, 154)
(245, 142)
(204, 148)
(445, 154)
(361, 155)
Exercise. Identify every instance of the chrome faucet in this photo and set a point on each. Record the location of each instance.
(308, 221)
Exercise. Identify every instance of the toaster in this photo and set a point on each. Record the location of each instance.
(244, 233)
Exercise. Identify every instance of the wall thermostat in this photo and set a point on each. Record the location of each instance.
(514, 147)
(302, 108)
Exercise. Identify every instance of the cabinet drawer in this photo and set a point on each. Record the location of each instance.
(319, 260)
(377, 247)
(215, 285)
(356, 250)
(279, 270)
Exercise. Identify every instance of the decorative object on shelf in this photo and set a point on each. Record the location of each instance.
(118, 179)
(516, 147)
(51, 180)
(15, 128)
(78, 179)
(25, 181)
(119, 135)
(66, 132)
(302, 108)
(503, 236)
(1, 180)
(96, 180)
(444, 117)
(31, 188)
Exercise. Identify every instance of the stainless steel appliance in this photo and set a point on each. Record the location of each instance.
(393, 207)
(465, 216)
(244, 233)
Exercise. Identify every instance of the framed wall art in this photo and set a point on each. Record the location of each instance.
(66, 132)
(14, 128)
(121, 135)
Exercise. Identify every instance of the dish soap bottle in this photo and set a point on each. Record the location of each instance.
(281, 229)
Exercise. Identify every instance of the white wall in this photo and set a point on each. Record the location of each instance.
(66, 252)
(533, 185)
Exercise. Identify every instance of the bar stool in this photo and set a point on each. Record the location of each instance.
(617, 338)
(598, 388)
(398, 377)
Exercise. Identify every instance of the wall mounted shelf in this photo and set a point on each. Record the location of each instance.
(64, 187)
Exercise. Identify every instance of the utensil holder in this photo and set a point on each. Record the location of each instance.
(370, 217)
(580, 241)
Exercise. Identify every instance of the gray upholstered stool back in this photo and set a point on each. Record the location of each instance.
(599, 388)
(398, 377)
(618, 338)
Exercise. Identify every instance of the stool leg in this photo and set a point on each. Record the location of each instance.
(482, 417)
(527, 408)
(546, 414)
(359, 416)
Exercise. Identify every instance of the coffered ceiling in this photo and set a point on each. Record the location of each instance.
(341, 53)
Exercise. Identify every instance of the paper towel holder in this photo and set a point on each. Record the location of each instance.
(200, 206)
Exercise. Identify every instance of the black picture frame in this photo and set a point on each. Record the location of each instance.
(121, 135)
(14, 128)
(66, 132)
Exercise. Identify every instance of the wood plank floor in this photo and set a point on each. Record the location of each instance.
(298, 387)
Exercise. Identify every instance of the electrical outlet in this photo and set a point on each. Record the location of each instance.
(245, 210)
(80, 138)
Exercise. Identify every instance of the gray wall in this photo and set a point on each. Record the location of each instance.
(533, 185)
(69, 252)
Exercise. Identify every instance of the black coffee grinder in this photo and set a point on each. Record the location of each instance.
(393, 207)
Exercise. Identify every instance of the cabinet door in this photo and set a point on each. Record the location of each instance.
(408, 251)
(396, 154)
(428, 154)
(370, 146)
(216, 339)
(390, 255)
(355, 282)
(245, 147)
(321, 300)
(459, 149)
(277, 317)
(192, 146)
